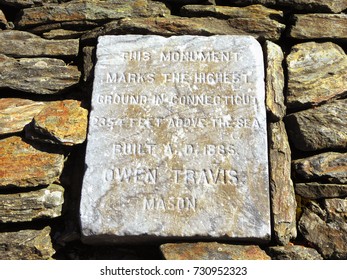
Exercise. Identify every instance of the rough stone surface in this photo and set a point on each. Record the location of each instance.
(274, 81)
(61, 34)
(60, 122)
(212, 251)
(165, 156)
(25, 207)
(23, 165)
(90, 10)
(24, 44)
(16, 113)
(293, 252)
(334, 6)
(328, 166)
(88, 63)
(84, 26)
(319, 128)
(27, 3)
(337, 211)
(329, 237)
(255, 19)
(37, 75)
(316, 73)
(282, 191)
(309, 26)
(316, 190)
(26, 245)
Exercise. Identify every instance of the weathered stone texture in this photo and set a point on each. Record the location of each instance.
(317, 72)
(255, 20)
(3, 21)
(25, 207)
(27, 3)
(334, 6)
(337, 211)
(24, 44)
(320, 26)
(90, 10)
(186, 195)
(328, 236)
(89, 59)
(16, 113)
(316, 190)
(23, 165)
(26, 245)
(60, 122)
(319, 128)
(81, 26)
(328, 166)
(61, 34)
(212, 251)
(293, 252)
(282, 191)
(274, 81)
(37, 75)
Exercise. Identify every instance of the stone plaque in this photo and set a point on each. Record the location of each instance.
(177, 143)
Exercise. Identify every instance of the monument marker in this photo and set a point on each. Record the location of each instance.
(177, 143)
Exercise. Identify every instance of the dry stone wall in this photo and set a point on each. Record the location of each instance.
(47, 56)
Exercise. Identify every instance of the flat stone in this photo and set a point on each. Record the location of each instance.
(185, 2)
(23, 165)
(37, 75)
(89, 59)
(16, 113)
(309, 26)
(25, 207)
(71, 25)
(60, 34)
(212, 251)
(164, 27)
(293, 252)
(27, 3)
(165, 156)
(90, 10)
(24, 44)
(329, 237)
(256, 19)
(315, 190)
(335, 6)
(330, 166)
(319, 128)
(281, 185)
(60, 122)
(26, 244)
(274, 81)
(317, 72)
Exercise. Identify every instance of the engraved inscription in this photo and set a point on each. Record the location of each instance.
(177, 143)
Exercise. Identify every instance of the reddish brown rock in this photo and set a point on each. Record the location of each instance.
(283, 210)
(63, 122)
(317, 72)
(319, 128)
(212, 251)
(26, 245)
(37, 75)
(309, 26)
(25, 207)
(255, 20)
(274, 81)
(335, 6)
(89, 10)
(23, 165)
(24, 44)
(16, 113)
(329, 166)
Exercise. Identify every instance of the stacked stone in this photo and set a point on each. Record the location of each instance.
(46, 72)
